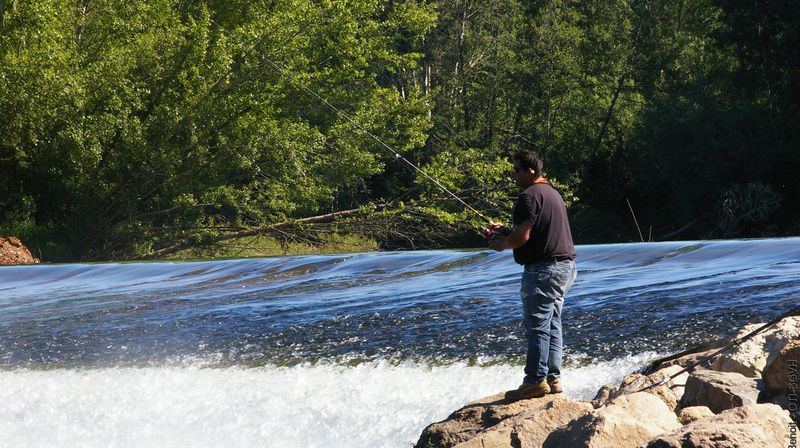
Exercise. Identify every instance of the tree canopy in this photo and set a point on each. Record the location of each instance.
(136, 128)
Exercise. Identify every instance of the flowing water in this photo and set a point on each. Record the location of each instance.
(355, 350)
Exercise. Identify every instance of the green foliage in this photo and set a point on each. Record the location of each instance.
(134, 125)
(129, 127)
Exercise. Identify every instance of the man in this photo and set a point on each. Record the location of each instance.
(542, 243)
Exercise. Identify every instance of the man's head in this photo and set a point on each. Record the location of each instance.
(527, 168)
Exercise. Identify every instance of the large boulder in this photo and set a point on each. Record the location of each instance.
(529, 428)
(536, 424)
(474, 418)
(12, 251)
(720, 390)
(750, 357)
(627, 421)
(750, 426)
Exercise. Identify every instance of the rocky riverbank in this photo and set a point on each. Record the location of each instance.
(740, 399)
(12, 251)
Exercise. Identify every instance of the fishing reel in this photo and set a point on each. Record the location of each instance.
(494, 234)
(488, 233)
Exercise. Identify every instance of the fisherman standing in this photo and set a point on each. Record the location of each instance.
(542, 243)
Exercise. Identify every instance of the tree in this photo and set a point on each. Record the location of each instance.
(699, 138)
(764, 37)
(160, 122)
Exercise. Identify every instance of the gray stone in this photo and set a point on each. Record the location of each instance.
(720, 390)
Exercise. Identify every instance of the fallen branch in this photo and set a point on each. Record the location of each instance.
(264, 229)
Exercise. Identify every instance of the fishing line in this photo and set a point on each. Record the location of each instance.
(736, 342)
(397, 155)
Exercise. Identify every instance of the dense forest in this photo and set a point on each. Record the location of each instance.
(145, 128)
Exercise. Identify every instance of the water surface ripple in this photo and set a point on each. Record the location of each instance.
(431, 306)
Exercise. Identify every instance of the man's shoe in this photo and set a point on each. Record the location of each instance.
(528, 391)
(555, 386)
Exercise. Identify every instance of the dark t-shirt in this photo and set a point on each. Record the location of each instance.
(541, 206)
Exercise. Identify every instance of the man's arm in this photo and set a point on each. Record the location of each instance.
(519, 236)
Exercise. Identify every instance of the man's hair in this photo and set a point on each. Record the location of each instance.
(529, 159)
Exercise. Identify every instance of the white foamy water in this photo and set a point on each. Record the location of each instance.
(369, 405)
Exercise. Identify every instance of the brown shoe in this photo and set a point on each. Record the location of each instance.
(528, 391)
(555, 386)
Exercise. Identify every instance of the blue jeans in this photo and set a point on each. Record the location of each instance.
(543, 288)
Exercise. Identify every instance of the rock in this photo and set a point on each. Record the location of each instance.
(474, 418)
(716, 408)
(781, 400)
(537, 423)
(604, 395)
(12, 251)
(530, 427)
(754, 425)
(780, 374)
(627, 421)
(750, 357)
(693, 414)
(720, 390)
(670, 393)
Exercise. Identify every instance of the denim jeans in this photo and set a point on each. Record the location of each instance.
(543, 288)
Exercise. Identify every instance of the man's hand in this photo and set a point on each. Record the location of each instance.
(497, 244)
(499, 233)
(515, 238)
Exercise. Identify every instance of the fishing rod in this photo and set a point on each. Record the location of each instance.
(399, 157)
(736, 342)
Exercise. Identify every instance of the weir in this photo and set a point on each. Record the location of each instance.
(348, 350)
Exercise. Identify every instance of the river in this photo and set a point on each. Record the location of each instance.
(351, 350)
